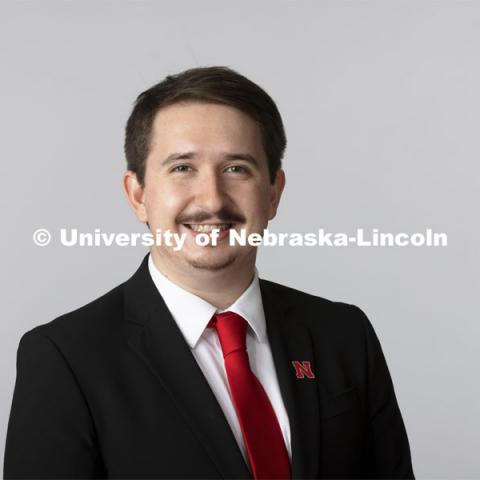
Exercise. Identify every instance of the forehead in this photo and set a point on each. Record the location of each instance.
(205, 125)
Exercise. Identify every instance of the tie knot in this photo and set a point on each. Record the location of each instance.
(232, 331)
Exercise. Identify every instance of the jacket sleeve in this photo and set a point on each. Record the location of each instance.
(387, 445)
(50, 431)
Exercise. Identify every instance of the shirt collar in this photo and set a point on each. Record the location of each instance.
(192, 313)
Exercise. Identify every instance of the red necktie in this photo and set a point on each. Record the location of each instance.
(261, 432)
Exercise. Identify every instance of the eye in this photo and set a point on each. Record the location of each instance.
(238, 168)
(180, 168)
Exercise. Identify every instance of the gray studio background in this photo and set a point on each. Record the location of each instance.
(381, 104)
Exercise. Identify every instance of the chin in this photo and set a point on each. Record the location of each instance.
(212, 264)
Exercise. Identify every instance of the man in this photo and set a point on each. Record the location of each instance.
(195, 367)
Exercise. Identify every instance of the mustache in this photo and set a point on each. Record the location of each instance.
(224, 214)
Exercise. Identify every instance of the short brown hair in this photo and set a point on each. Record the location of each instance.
(220, 85)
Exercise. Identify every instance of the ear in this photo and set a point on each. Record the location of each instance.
(276, 192)
(135, 195)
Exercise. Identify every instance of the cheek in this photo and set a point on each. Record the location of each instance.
(258, 206)
(164, 202)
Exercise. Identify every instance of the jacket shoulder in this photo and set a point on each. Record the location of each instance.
(298, 297)
(313, 309)
(95, 320)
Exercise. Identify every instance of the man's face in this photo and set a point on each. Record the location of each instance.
(206, 166)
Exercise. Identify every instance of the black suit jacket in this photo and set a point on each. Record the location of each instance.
(113, 390)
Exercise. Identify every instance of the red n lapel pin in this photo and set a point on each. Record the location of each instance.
(303, 369)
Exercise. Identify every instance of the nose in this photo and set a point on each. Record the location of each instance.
(209, 192)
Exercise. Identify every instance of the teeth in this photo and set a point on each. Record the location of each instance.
(209, 228)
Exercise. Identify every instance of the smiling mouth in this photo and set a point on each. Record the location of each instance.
(207, 227)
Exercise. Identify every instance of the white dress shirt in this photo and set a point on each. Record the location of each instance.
(192, 314)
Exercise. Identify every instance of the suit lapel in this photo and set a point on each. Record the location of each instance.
(157, 340)
(290, 341)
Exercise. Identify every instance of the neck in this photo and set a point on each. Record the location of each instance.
(219, 287)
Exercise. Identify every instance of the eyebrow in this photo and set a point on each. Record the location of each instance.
(229, 156)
